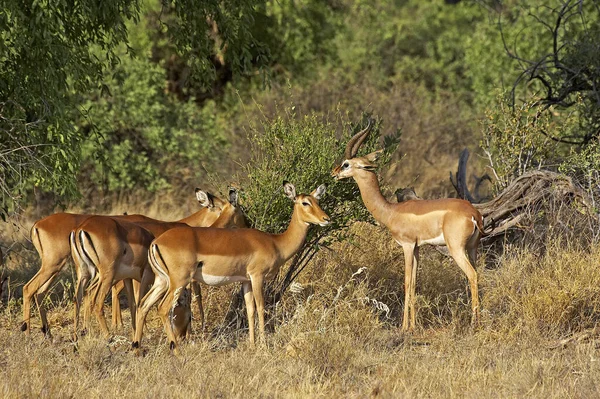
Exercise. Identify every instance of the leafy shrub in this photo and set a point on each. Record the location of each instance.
(303, 150)
(584, 165)
(147, 137)
(517, 139)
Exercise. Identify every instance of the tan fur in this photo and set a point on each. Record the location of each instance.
(454, 223)
(50, 236)
(248, 255)
(123, 255)
(117, 250)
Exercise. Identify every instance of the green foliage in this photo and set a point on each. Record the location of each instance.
(585, 166)
(45, 53)
(146, 136)
(34, 154)
(516, 139)
(541, 52)
(300, 33)
(53, 52)
(303, 151)
(203, 31)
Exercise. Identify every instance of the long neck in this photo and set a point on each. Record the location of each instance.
(371, 195)
(290, 241)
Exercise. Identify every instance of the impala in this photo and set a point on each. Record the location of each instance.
(118, 250)
(50, 237)
(220, 256)
(454, 223)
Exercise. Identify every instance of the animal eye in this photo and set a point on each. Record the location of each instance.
(345, 165)
(306, 203)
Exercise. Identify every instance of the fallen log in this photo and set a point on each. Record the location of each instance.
(512, 206)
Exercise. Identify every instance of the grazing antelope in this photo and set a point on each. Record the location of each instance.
(218, 257)
(454, 223)
(50, 237)
(118, 250)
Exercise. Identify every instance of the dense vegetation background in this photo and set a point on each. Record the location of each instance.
(128, 105)
(133, 98)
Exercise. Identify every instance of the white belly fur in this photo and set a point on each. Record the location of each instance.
(210, 279)
(439, 240)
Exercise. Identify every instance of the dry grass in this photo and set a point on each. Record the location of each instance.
(337, 334)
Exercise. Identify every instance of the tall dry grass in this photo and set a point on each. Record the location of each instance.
(336, 334)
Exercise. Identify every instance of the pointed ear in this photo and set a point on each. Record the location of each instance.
(204, 198)
(374, 156)
(319, 191)
(289, 190)
(233, 196)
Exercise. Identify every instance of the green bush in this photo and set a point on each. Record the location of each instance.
(146, 136)
(303, 151)
(517, 139)
(584, 165)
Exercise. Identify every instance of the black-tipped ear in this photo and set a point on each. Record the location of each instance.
(233, 196)
(319, 191)
(289, 190)
(204, 198)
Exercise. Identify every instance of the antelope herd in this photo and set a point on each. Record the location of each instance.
(155, 261)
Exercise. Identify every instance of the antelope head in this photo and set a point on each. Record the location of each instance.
(231, 213)
(352, 164)
(213, 205)
(307, 205)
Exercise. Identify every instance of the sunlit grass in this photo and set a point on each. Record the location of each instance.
(337, 334)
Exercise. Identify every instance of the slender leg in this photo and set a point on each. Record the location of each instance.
(131, 301)
(84, 275)
(472, 251)
(413, 285)
(79, 290)
(163, 310)
(153, 296)
(39, 300)
(117, 317)
(408, 270)
(257, 289)
(37, 286)
(198, 298)
(460, 256)
(181, 313)
(104, 286)
(144, 285)
(88, 301)
(249, 299)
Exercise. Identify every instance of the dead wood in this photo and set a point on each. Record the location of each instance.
(512, 207)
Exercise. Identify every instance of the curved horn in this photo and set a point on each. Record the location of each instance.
(356, 141)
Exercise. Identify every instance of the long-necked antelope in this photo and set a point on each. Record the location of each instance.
(454, 223)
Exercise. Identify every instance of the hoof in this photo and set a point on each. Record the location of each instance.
(24, 326)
